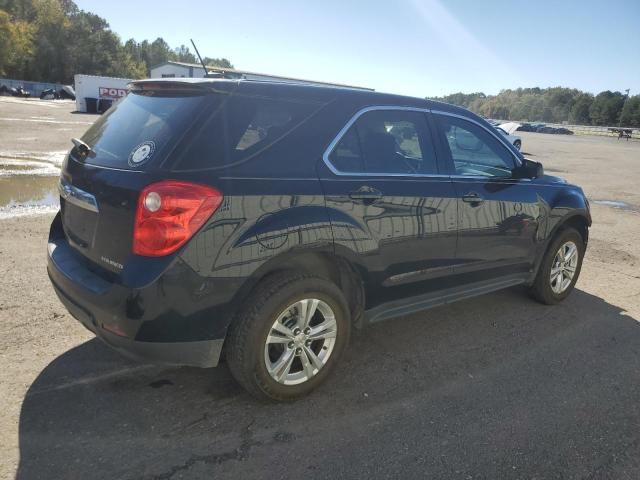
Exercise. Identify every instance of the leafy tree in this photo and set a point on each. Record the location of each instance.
(16, 37)
(630, 116)
(50, 37)
(21, 9)
(606, 108)
(217, 62)
(556, 104)
(183, 54)
(51, 40)
(579, 113)
(98, 50)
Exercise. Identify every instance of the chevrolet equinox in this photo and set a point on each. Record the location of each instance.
(260, 222)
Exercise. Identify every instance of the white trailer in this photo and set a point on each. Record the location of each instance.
(100, 92)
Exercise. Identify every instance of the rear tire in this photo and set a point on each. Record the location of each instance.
(560, 268)
(277, 349)
(517, 144)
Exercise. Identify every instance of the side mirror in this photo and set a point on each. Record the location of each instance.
(530, 169)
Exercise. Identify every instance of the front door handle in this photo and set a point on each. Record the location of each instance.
(366, 194)
(473, 198)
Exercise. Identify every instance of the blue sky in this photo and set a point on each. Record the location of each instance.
(411, 47)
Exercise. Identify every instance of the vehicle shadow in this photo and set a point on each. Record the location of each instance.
(493, 387)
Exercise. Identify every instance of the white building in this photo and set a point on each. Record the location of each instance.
(99, 92)
(177, 70)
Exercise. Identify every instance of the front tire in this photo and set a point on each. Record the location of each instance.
(289, 336)
(517, 144)
(560, 268)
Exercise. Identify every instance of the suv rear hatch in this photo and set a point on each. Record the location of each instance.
(129, 146)
(168, 130)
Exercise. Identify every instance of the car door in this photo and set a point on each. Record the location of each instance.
(392, 212)
(498, 213)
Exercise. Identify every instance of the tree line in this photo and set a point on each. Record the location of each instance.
(553, 105)
(52, 40)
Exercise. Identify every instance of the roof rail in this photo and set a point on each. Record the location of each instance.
(232, 73)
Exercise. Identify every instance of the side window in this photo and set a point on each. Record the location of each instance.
(241, 127)
(386, 142)
(271, 119)
(474, 151)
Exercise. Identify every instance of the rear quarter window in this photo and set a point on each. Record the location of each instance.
(240, 128)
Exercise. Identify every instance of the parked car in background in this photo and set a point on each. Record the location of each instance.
(507, 129)
(67, 92)
(562, 131)
(543, 128)
(49, 94)
(261, 222)
(14, 92)
(530, 127)
(554, 130)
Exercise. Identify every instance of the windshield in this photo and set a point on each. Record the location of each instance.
(139, 130)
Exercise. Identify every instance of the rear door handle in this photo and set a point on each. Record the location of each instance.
(366, 194)
(472, 197)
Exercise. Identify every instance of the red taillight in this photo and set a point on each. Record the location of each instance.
(168, 215)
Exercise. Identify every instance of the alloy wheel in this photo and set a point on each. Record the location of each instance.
(300, 341)
(564, 267)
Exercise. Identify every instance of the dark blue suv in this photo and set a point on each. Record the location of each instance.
(260, 222)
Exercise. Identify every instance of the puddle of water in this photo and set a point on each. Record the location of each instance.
(36, 102)
(41, 120)
(39, 169)
(54, 158)
(30, 163)
(617, 204)
(28, 182)
(15, 166)
(28, 195)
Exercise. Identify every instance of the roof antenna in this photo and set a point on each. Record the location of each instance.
(206, 72)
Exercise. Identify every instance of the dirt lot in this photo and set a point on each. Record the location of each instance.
(493, 387)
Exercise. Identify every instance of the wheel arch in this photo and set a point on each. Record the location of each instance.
(326, 265)
(577, 221)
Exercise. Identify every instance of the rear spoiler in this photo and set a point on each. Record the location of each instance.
(184, 86)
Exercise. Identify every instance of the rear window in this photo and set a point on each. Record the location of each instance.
(241, 127)
(143, 127)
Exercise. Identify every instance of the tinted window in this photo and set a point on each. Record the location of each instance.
(474, 151)
(241, 127)
(347, 155)
(141, 118)
(385, 141)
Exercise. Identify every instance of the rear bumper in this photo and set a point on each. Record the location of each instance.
(204, 353)
(161, 322)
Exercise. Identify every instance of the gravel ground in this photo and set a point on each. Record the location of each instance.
(492, 387)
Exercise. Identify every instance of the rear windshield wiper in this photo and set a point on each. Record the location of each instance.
(82, 148)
